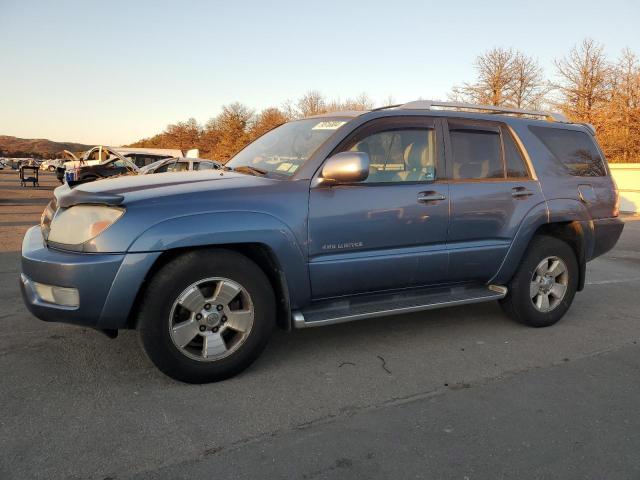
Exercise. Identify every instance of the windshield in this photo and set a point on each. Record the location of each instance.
(284, 149)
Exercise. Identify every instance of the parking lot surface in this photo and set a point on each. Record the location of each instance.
(454, 393)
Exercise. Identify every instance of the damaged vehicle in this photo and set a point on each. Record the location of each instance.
(105, 162)
(340, 217)
(98, 163)
(180, 164)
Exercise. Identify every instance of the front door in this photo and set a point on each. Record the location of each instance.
(389, 231)
(491, 191)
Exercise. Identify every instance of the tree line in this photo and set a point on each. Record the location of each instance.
(586, 85)
(224, 135)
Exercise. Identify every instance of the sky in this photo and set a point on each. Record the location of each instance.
(112, 72)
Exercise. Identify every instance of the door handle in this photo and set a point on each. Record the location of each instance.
(521, 192)
(431, 196)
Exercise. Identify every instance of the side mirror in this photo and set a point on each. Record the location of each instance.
(346, 167)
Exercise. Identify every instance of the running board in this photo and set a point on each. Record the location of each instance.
(328, 312)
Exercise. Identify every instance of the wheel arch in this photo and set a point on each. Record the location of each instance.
(572, 233)
(261, 254)
(567, 220)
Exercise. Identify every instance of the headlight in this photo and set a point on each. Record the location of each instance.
(81, 223)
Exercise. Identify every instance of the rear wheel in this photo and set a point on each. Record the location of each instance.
(206, 316)
(542, 290)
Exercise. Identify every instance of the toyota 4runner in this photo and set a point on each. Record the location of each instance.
(344, 216)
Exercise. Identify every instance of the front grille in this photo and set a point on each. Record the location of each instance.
(47, 216)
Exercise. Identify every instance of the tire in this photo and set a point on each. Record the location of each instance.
(522, 303)
(163, 312)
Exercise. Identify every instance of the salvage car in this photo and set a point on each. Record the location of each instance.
(180, 164)
(51, 165)
(103, 155)
(329, 219)
(112, 167)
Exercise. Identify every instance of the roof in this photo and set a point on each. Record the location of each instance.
(341, 113)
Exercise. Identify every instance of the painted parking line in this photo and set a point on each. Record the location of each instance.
(616, 280)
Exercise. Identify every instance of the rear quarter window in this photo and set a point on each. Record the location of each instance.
(575, 150)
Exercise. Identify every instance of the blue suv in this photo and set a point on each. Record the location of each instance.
(344, 216)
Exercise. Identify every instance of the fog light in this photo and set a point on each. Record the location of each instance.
(68, 297)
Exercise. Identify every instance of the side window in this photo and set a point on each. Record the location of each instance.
(575, 150)
(402, 155)
(513, 158)
(178, 167)
(118, 164)
(476, 153)
(202, 165)
(164, 168)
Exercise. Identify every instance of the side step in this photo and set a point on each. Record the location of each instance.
(328, 312)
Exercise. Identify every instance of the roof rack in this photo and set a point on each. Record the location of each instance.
(430, 104)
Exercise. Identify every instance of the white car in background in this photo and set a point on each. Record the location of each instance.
(180, 164)
(51, 165)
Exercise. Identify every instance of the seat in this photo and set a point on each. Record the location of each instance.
(416, 160)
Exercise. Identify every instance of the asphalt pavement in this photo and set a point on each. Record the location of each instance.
(461, 393)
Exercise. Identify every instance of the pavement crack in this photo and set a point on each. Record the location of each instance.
(346, 363)
(384, 364)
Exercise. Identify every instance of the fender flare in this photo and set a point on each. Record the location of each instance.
(226, 228)
(571, 214)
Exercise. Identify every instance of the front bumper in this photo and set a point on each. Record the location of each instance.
(107, 283)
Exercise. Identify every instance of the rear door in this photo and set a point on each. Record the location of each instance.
(389, 231)
(491, 190)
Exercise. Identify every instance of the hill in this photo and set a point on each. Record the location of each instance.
(37, 147)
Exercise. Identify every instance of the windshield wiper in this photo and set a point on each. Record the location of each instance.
(250, 169)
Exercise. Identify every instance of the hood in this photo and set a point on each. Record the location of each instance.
(131, 188)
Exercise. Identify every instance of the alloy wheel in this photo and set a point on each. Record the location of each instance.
(549, 284)
(211, 319)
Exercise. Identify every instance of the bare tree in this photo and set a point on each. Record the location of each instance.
(528, 87)
(504, 78)
(361, 102)
(311, 103)
(584, 81)
(495, 74)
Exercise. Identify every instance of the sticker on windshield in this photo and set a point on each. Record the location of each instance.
(284, 167)
(328, 125)
(293, 168)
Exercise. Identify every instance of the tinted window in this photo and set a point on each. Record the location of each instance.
(513, 158)
(400, 155)
(576, 150)
(476, 154)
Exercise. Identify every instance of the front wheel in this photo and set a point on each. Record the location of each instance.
(542, 290)
(206, 315)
